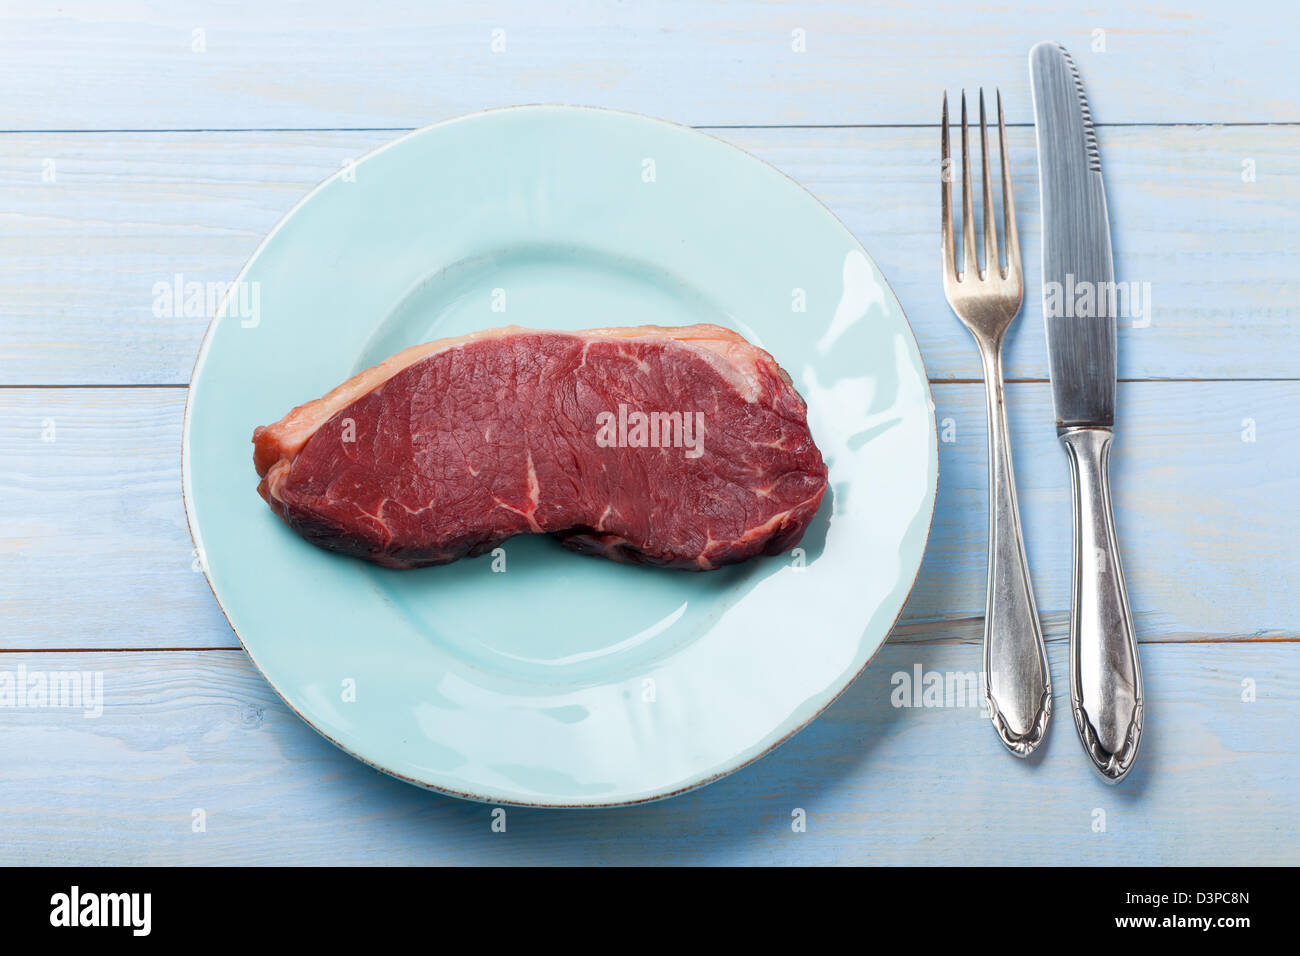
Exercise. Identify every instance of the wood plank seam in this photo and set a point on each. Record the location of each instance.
(1180, 124)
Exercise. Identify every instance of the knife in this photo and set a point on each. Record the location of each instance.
(1079, 299)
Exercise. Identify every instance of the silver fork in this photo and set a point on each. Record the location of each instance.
(1018, 686)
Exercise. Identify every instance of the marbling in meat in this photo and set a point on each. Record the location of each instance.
(682, 447)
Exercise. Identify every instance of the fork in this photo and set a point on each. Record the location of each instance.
(1018, 685)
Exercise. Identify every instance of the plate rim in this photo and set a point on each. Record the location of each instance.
(196, 537)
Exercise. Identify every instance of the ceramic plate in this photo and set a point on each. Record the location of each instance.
(541, 676)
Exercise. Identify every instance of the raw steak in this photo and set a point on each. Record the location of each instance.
(682, 447)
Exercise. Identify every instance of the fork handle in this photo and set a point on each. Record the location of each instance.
(1105, 676)
(1018, 684)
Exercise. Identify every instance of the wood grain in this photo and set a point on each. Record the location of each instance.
(79, 257)
(140, 65)
(94, 550)
(1218, 782)
(133, 148)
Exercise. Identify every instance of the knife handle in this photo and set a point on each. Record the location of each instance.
(1105, 676)
(1018, 683)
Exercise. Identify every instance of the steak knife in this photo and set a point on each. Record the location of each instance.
(1079, 299)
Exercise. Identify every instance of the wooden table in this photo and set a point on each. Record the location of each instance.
(144, 141)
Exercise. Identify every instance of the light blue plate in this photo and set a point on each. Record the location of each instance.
(562, 680)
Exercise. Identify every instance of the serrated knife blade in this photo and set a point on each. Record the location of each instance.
(1079, 308)
(1078, 270)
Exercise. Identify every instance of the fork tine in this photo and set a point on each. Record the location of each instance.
(945, 188)
(969, 265)
(991, 263)
(1008, 202)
